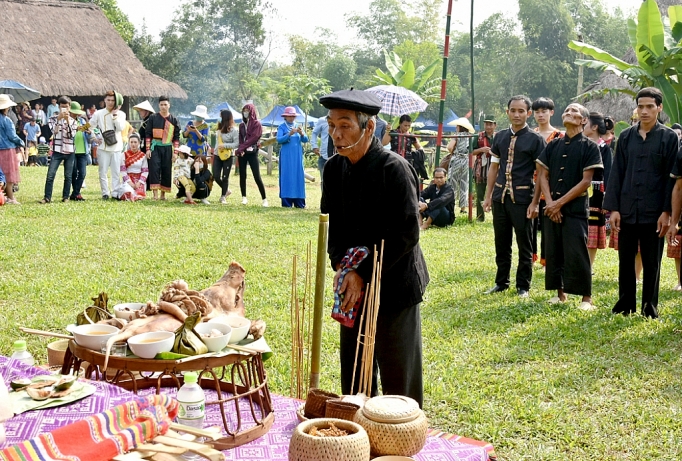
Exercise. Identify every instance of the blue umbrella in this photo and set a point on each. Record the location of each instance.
(19, 92)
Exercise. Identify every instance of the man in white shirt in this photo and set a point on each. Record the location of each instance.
(110, 155)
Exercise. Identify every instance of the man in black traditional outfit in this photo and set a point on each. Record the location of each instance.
(372, 195)
(439, 211)
(638, 196)
(511, 194)
(565, 170)
(162, 137)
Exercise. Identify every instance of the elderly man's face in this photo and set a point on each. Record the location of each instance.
(345, 132)
(573, 115)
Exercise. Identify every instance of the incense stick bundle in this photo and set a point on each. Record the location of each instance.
(368, 326)
(300, 328)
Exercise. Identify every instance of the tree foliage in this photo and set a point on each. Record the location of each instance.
(118, 18)
(211, 49)
(658, 47)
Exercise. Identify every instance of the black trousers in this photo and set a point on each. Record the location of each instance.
(568, 261)
(397, 354)
(440, 217)
(510, 217)
(651, 247)
(252, 161)
(480, 196)
(161, 168)
(221, 172)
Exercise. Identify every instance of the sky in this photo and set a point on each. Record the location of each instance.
(303, 17)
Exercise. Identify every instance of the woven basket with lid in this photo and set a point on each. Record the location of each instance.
(395, 425)
(352, 447)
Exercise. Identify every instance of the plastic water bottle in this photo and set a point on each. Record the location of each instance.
(21, 354)
(192, 405)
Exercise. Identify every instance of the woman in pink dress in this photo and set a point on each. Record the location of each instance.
(9, 141)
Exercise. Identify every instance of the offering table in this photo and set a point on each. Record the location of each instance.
(240, 385)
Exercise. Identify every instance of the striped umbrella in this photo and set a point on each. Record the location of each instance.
(396, 100)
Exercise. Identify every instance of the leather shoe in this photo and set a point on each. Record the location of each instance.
(619, 308)
(522, 293)
(649, 310)
(495, 289)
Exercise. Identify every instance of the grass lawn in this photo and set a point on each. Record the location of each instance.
(540, 382)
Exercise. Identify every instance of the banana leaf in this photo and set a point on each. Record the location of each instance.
(187, 341)
(98, 311)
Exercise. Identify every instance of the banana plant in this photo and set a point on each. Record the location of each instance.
(404, 74)
(657, 43)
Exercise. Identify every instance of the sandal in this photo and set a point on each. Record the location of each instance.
(44, 201)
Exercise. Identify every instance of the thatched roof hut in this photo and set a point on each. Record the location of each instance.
(617, 106)
(71, 48)
(620, 106)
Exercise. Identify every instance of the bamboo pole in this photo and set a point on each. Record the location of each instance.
(444, 82)
(319, 300)
(292, 320)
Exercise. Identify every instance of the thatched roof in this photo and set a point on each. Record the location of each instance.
(71, 48)
(620, 106)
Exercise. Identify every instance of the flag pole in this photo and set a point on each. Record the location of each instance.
(473, 111)
(444, 82)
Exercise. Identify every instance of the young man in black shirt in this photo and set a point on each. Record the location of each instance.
(565, 173)
(639, 197)
(511, 194)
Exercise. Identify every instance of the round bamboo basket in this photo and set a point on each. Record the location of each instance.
(316, 402)
(337, 408)
(306, 447)
(395, 425)
(56, 351)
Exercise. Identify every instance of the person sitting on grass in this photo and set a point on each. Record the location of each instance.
(32, 154)
(134, 171)
(201, 181)
(440, 209)
(43, 152)
(182, 172)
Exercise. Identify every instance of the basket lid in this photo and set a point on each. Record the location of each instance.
(391, 409)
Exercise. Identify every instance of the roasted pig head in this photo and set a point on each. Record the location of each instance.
(227, 294)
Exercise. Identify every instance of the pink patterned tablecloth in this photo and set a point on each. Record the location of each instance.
(272, 446)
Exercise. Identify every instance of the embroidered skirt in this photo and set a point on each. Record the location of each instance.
(10, 165)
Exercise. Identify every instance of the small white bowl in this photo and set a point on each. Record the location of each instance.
(93, 335)
(127, 310)
(218, 343)
(240, 328)
(147, 345)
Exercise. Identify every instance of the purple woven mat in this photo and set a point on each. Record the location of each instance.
(273, 446)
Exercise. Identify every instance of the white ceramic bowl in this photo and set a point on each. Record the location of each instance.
(147, 345)
(240, 327)
(93, 335)
(127, 310)
(218, 343)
